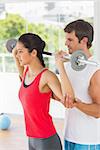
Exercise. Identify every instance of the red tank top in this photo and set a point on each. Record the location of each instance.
(38, 121)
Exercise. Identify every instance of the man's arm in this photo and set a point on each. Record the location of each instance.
(92, 109)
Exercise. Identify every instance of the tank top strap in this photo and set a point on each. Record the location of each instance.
(42, 71)
(38, 77)
(25, 73)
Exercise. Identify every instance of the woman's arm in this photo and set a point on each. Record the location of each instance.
(54, 84)
(19, 67)
(65, 82)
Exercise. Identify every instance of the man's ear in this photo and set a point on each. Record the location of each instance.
(34, 53)
(85, 40)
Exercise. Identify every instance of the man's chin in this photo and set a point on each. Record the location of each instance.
(70, 51)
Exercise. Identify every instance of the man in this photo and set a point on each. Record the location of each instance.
(82, 122)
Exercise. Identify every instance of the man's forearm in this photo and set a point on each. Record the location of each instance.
(89, 109)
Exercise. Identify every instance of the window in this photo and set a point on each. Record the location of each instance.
(44, 18)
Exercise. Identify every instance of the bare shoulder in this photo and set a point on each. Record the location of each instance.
(96, 77)
(49, 74)
(94, 88)
(49, 77)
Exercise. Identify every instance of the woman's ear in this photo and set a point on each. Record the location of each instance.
(34, 53)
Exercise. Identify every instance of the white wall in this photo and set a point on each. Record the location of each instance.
(97, 28)
(9, 84)
(9, 102)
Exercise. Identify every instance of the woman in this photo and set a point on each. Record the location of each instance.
(38, 86)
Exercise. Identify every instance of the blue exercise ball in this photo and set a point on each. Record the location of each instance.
(4, 121)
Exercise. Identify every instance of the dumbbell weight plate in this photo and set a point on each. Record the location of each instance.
(74, 60)
(11, 44)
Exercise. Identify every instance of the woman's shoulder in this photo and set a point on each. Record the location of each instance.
(48, 73)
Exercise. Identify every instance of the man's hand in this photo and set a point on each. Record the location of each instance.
(68, 102)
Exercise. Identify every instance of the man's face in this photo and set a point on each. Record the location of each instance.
(72, 42)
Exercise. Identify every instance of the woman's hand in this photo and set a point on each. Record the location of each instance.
(59, 58)
(14, 52)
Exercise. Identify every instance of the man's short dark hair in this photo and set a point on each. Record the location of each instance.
(82, 29)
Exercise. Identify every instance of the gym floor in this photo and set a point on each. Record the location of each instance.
(15, 138)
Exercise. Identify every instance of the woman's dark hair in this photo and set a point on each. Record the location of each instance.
(82, 29)
(33, 41)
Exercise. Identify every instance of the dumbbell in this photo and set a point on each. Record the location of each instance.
(77, 59)
(11, 44)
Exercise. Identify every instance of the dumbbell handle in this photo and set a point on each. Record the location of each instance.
(68, 56)
(48, 53)
(82, 61)
(52, 54)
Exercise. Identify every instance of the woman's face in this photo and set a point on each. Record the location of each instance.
(23, 55)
